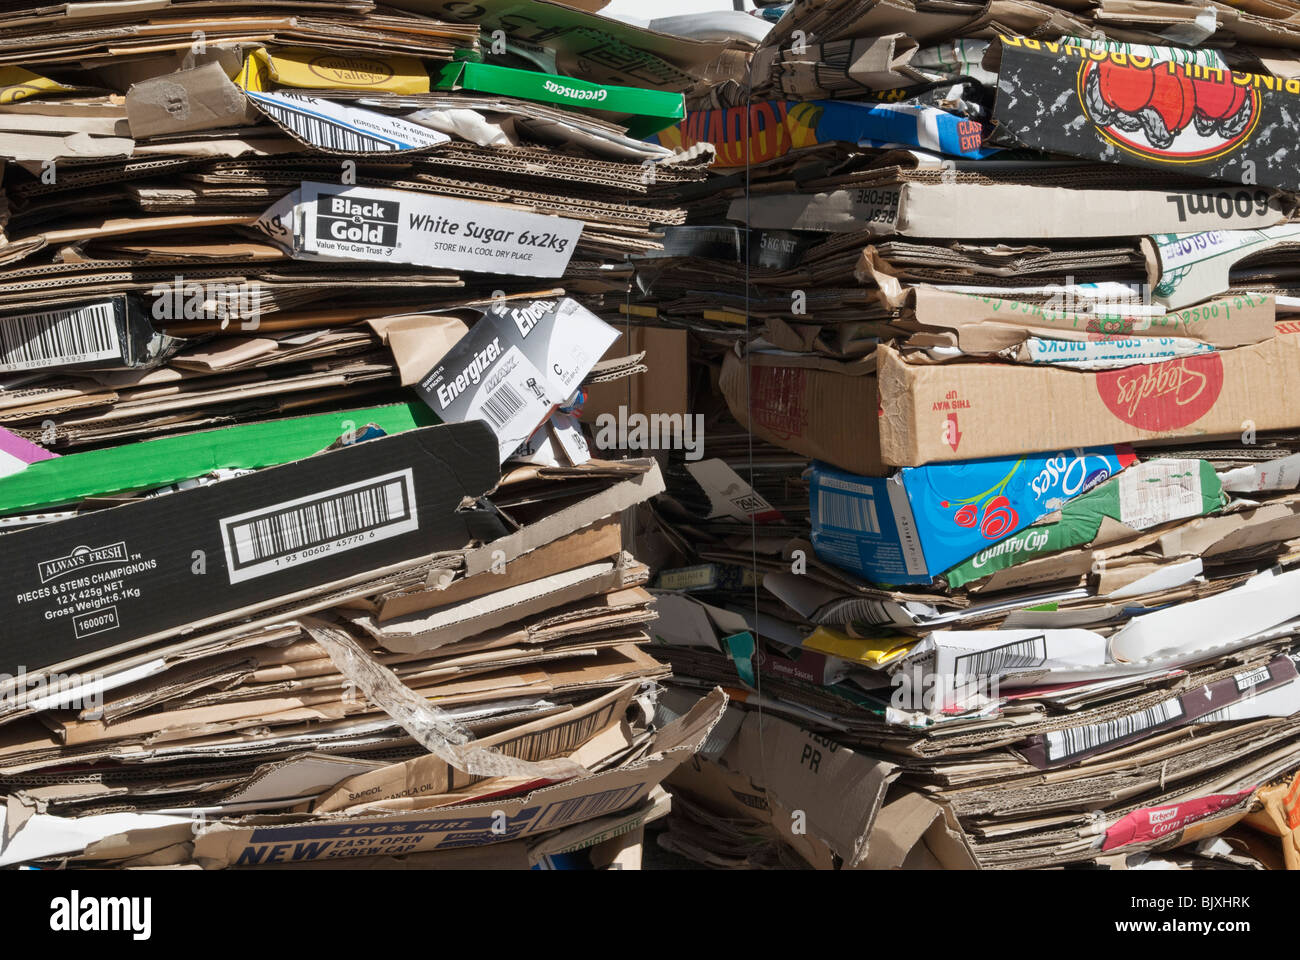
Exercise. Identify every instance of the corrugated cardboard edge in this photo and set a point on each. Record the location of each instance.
(617, 498)
(222, 844)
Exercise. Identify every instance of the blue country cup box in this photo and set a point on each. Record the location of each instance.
(911, 526)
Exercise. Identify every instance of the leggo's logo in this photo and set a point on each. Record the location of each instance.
(357, 220)
(1173, 113)
(1163, 396)
(81, 558)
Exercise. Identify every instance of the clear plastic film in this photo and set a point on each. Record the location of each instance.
(432, 728)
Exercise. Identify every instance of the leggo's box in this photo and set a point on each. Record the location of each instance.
(963, 411)
(914, 525)
(1121, 107)
(118, 578)
(871, 415)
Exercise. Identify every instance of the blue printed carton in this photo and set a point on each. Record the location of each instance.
(911, 526)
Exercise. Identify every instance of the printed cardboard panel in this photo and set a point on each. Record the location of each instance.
(115, 578)
(399, 226)
(158, 462)
(819, 408)
(108, 334)
(970, 410)
(971, 211)
(516, 365)
(542, 810)
(923, 520)
(649, 110)
(1122, 107)
(765, 131)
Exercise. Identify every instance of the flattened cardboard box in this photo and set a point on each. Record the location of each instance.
(107, 334)
(964, 411)
(114, 578)
(515, 366)
(970, 211)
(874, 414)
(1124, 108)
(260, 840)
(812, 405)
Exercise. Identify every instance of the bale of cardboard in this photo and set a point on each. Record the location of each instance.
(1014, 297)
(307, 558)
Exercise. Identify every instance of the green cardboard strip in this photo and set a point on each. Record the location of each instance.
(1144, 496)
(156, 463)
(644, 111)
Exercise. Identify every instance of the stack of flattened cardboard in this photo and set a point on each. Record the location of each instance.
(305, 554)
(1045, 608)
(213, 231)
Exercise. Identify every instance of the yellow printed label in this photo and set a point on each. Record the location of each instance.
(725, 316)
(19, 84)
(875, 651)
(310, 69)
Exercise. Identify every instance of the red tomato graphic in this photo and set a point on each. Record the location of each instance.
(1162, 102)
(1218, 99)
(1174, 100)
(1123, 88)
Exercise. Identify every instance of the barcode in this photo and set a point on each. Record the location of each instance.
(1030, 652)
(306, 529)
(584, 808)
(326, 133)
(847, 511)
(1067, 743)
(1223, 713)
(502, 405)
(57, 337)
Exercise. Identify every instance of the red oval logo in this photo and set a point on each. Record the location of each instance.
(1163, 396)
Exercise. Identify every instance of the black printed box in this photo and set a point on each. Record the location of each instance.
(1126, 108)
(114, 578)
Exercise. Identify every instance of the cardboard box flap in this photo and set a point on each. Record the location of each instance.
(257, 840)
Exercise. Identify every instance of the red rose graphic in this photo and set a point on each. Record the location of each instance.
(966, 516)
(999, 518)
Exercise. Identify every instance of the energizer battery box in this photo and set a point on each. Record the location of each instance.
(519, 361)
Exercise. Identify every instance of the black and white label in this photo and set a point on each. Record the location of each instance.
(441, 232)
(92, 586)
(1251, 678)
(341, 127)
(1077, 740)
(78, 335)
(348, 220)
(290, 534)
(1017, 655)
(513, 399)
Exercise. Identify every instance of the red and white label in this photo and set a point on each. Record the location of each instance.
(1163, 396)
